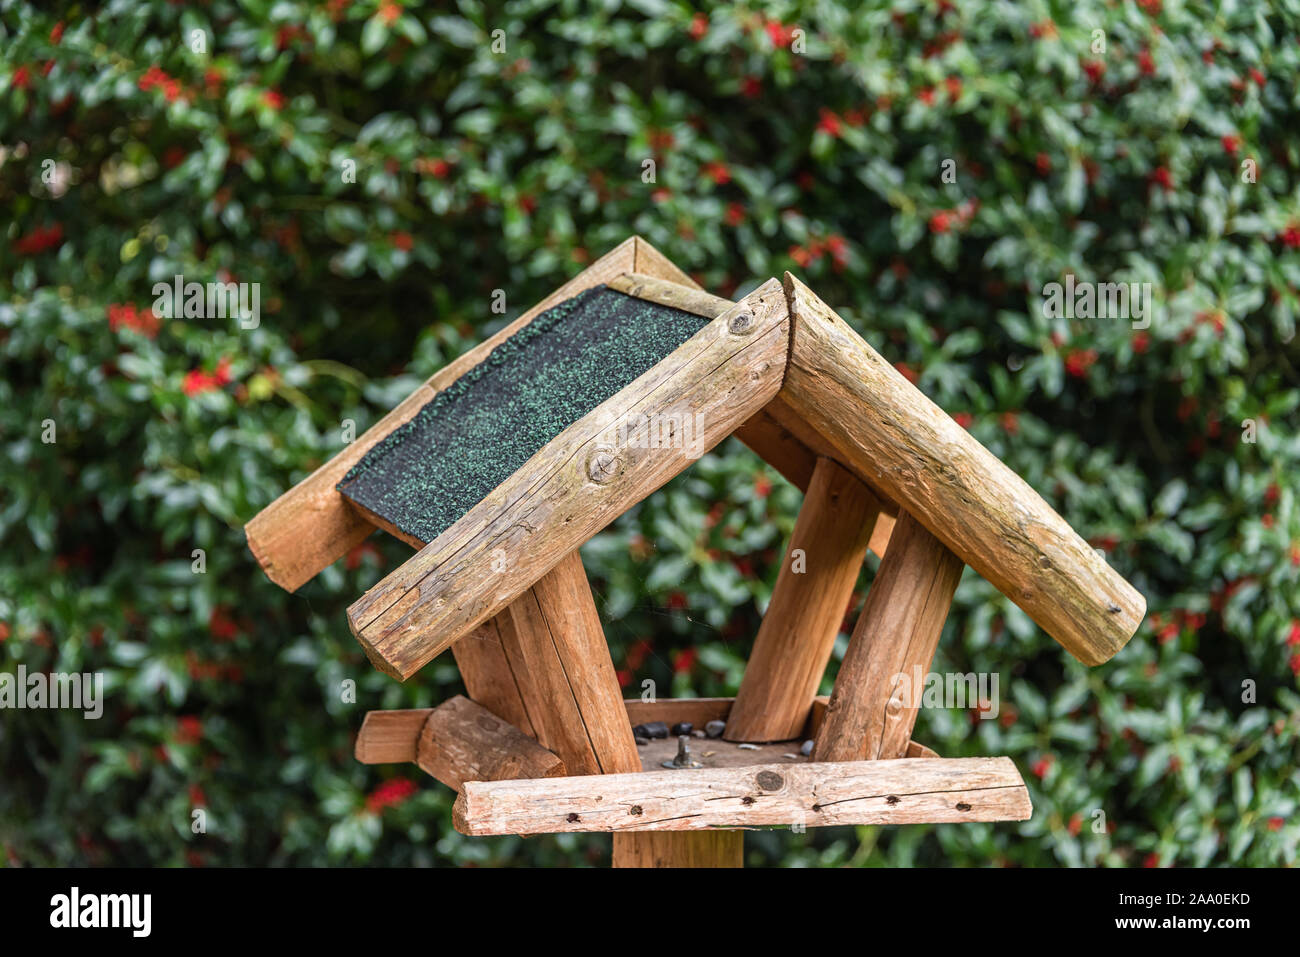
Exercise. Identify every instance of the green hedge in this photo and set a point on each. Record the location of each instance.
(478, 170)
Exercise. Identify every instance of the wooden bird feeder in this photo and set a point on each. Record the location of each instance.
(501, 465)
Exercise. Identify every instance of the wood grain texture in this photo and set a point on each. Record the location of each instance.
(674, 295)
(813, 589)
(717, 848)
(914, 748)
(899, 628)
(904, 791)
(909, 449)
(778, 447)
(490, 677)
(387, 737)
(311, 525)
(572, 488)
(581, 716)
(698, 711)
(775, 444)
(463, 741)
(649, 261)
(880, 534)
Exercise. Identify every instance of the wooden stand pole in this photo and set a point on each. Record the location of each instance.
(719, 848)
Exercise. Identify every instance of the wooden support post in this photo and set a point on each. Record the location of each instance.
(813, 589)
(899, 628)
(580, 713)
(558, 637)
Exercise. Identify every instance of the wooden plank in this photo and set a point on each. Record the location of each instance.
(649, 261)
(571, 489)
(567, 661)
(698, 711)
(903, 791)
(463, 741)
(813, 589)
(665, 293)
(910, 450)
(898, 629)
(387, 737)
(311, 526)
(718, 848)
(881, 533)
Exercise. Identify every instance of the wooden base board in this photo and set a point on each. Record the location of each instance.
(816, 794)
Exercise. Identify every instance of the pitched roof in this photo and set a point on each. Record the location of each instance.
(515, 451)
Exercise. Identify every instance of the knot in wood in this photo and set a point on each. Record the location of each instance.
(769, 780)
(602, 466)
(742, 323)
(486, 723)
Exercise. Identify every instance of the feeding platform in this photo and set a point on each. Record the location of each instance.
(504, 463)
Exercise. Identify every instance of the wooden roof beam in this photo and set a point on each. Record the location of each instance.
(880, 424)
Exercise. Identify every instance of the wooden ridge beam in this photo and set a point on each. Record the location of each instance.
(905, 791)
(572, 488)
(878, 423)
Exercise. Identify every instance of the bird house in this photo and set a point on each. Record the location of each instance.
(503, 464)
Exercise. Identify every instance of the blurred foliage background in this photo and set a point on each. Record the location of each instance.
(808, 136)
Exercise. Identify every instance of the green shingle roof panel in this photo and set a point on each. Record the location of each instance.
(475, 434)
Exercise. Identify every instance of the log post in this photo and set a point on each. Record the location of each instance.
(558, 637)
(717, 848)
(898, 629)
(815, 585)
(464, 741)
